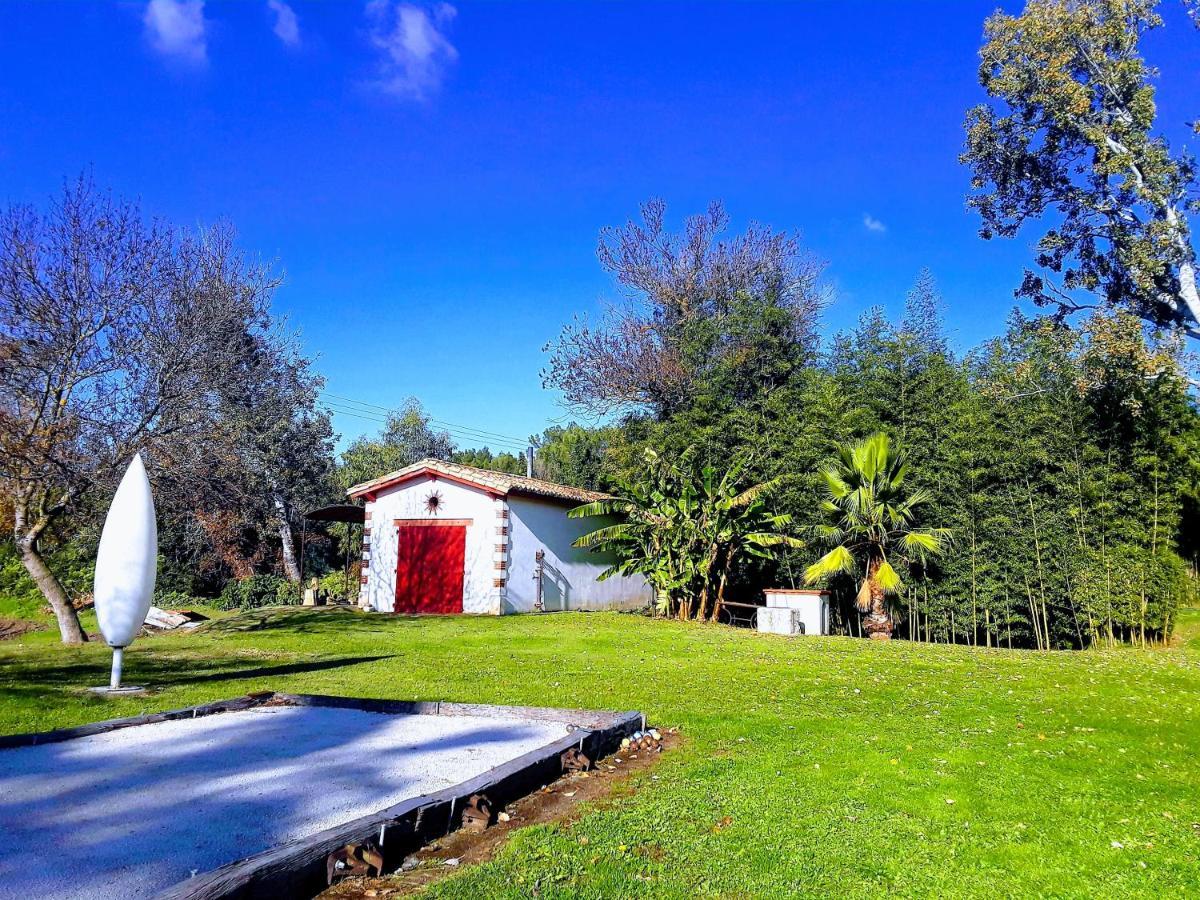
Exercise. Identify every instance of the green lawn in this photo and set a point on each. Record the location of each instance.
(821, 767)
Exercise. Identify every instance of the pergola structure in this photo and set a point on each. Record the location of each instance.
(347, 513)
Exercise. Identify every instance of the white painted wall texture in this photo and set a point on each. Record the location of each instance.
(532, 524)
(570, 573)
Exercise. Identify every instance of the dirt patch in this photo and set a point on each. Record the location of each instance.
(14, 628)
(556, 803)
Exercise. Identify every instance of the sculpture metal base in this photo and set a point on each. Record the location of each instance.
(120, 691)
(114, 685)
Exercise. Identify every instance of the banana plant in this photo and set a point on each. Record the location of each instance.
(681, 526)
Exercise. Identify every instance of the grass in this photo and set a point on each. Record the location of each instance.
(811, 767)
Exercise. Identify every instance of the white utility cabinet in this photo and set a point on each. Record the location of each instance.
(809, 612)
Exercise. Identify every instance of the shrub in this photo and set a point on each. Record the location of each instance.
(20, 597)
(334, 585)
(257, 591)
(175, 599)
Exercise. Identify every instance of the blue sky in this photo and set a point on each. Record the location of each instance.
(432, 178)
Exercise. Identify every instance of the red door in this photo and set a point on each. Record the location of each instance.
(429, 568)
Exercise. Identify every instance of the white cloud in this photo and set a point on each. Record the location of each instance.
(177, 30)
(414, 52)
(287, 26)
(873, 224)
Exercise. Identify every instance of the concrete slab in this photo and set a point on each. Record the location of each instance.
(129, 812)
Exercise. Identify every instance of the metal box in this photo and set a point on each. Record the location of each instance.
(779, 620)
(811, 606)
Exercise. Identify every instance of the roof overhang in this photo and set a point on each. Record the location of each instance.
(369, 489)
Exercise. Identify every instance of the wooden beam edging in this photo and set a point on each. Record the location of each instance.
(297, 868)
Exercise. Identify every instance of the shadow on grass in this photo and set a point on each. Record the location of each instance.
(155, 671)
(320, 620)
(299, 620)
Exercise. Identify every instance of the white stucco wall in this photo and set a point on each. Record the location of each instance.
(407, 501)
(570, 573)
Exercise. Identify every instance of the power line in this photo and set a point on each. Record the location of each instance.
(454, 426)
(460, 433)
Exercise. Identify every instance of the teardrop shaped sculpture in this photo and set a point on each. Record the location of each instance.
(127, 560)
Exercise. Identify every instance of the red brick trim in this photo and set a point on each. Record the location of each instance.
(432, 522)
(501, 565)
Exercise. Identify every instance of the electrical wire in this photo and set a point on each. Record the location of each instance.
(462, 433)
(469, 429)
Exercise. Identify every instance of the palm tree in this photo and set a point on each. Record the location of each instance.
(872, 520)
(682, 527)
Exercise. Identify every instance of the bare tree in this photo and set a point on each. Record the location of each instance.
(283, 442)
(114, 334)
(682, 294)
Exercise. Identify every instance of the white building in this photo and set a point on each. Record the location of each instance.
(446, 538)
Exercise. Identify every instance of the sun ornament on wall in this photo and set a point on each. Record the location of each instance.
(433, 503)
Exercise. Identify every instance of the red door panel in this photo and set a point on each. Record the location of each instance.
(429, 568)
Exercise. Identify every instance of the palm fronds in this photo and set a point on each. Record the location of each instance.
(871, 516)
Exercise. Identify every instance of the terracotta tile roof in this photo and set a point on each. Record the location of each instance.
(497, 482)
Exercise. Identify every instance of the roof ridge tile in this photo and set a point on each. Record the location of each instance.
(502, 482)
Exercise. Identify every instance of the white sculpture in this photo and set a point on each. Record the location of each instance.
(126, 565)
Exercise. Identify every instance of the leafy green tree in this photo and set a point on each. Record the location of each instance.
(484, 458)
(576, 455)
(873, 515)
(682, 526)
(276, 449)
(406, 438)
(1071, 135)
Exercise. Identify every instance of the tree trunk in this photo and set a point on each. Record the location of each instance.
(878, 624)
(721, 586)
(1188, 292)
(290, 567)
(710, 562)
(68, 620)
